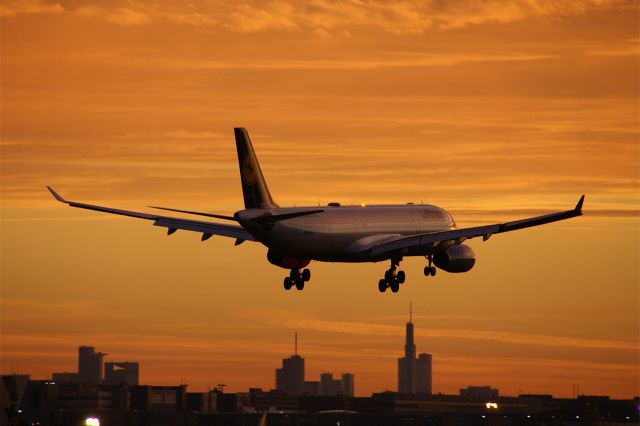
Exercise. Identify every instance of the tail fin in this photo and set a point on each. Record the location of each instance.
(254, 187)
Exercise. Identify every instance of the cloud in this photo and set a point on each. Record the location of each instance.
(194, 19)
(122, 13)
(11, 8)
(128, 17)
(630, 48)
(399, 17)
(393, 61)
(270, 16)
(175, 134)
(362, 328)
(321, 18)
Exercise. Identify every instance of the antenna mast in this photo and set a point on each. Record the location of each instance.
(410, 311)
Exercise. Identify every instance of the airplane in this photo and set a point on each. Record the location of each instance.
(294, 236)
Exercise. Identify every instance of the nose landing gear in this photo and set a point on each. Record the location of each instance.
(392, 278)
(297, 278)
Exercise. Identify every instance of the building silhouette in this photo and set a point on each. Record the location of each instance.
(92, 371)
(480, 392)
(423, 374)
(414, 374)
(65, 377)
(89, 365)
(90, 368)
(290, 378)
(121, 373)
(348, 384)
(331, 387)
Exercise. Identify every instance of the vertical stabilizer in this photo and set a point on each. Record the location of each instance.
(254, 187)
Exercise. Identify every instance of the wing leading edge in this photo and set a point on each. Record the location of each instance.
(172, 224)
(430, 240)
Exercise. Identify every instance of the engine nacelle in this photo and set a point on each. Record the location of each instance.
(458, 258)
(286, 262)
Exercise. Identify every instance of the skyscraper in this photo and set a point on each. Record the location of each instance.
(348, 384)
(423, 374)
(330, 386)
(89, 365)
(414, 375)
(290, 378)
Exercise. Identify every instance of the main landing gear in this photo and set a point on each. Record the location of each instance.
(430, 270)
(392, 278)
(297, 278)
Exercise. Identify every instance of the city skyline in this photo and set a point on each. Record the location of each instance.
(290, 378)
(493, 112)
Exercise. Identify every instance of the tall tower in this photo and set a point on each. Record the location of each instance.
(407, 364)
(290, 378)
(414, 375)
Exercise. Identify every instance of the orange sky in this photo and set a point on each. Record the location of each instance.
(491, 110)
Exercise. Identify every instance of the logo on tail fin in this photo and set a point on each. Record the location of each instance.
(248, 171)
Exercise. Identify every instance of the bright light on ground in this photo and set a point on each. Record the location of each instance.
(92, 421)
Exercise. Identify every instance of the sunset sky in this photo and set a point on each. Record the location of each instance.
(492, 110)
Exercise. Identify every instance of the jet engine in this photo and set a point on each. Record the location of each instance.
(458, 258)
(286, 262)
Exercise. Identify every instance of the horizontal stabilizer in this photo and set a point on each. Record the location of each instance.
(284, 216)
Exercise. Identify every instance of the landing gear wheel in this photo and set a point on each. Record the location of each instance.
(395, 286)
(388, 275)
(306, 274)
(299, 283)
(400, 277)
(288, 282)
(430, 270)
(382, 286)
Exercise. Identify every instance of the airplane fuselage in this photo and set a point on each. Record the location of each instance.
(343, 233)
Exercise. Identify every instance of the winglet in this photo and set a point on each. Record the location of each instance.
(56, 195)
(578, 207)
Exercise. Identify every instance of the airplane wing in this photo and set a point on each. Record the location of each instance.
(431, 240)
(172, 224)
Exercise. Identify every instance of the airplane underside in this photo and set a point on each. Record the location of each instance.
(299, 253)
(392, 279)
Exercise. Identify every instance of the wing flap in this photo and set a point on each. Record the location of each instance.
(216, 216)
(207, 229)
